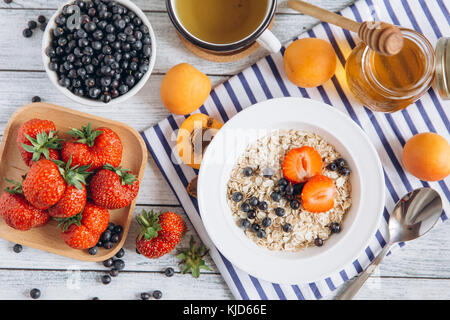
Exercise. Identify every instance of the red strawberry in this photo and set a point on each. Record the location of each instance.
(37, 140)
(93, 147)
(46, 184)
(300, 164)
(83, 230)
(318, 194)
(114, 188)
(160, 233)
(17, 212)
(71, 203)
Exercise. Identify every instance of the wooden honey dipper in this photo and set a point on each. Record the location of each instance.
(382, 37)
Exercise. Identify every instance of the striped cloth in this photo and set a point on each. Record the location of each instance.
(388, 132)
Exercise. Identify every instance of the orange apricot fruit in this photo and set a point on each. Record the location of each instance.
(184, 89)
(309, 62)
(427, 156)
(194, 136)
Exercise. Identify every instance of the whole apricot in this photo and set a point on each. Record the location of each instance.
(427, 156)
(309, 62)
(184, 89)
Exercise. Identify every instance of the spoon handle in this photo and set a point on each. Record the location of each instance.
(357, 284)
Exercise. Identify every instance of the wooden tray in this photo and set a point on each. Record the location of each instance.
(48, 237)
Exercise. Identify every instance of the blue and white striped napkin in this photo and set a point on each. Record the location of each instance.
(388, 132)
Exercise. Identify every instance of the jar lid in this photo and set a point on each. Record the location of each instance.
(443, 67)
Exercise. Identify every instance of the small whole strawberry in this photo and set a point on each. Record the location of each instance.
(17, 212)
(114, 188)
(44, 185)
(93, 147)
(83, 230)
(73, 200)
(37, 140)
(160, 233)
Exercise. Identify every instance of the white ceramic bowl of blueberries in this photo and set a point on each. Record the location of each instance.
(103, 57)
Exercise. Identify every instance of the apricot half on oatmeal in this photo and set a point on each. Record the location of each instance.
(184, 89)
(194, 135)
(309, 62)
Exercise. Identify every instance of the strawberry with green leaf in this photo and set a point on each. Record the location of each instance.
(74, 198)
(114, 188)
(83, 230)
(93, 147)
(160, 233)
(37, 140)
(192, 259)
(17, 212)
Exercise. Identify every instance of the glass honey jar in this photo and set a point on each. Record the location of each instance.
(391, 83)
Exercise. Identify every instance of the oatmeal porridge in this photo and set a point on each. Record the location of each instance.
(278, 179)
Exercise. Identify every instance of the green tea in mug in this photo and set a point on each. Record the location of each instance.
(221, 21)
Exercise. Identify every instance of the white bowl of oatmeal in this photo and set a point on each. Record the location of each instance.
(259, 137)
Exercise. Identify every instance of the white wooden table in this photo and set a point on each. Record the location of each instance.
(419, 271)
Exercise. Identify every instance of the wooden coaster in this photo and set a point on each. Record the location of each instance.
(221, 56)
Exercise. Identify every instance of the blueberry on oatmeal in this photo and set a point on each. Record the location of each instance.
(261, 233)
(255, 227)
(245, 223)
(251, 214)
(245, 207)
(335, 227)
(287, 227)
(294, 204)
(253, 201)
(263, 205)
(266, 222)
(280, 211)
(248, 171)
(237, 196)
(276, 196)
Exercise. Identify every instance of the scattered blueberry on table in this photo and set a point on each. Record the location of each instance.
(17, 248)
(35, 293)
(157, 294)
(145, 296)
(169, 272)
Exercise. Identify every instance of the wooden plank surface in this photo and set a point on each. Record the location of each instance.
(419, 271)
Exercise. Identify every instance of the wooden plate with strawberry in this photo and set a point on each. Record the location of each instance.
(61, 151)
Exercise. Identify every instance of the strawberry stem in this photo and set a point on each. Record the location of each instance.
(76, 175)
(149, 223)
(86, 135)
(17, 189)
(65, 223)
(124, 174)
(41, 144)
(192, 259)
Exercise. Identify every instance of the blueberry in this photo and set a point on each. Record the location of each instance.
(294, 204)
(332, 166)
(35, 293)
(123, 89)
(108, 263)
(106, 279)
(115, 238)
(130, 81)
(248, 172)
(341, 163)
(276, 196)
(255, 227)
(298, 188)
(335, 227)
(90, 27)
(263, 205)
(43, 26)
(120, 253)
(27, 33)
(17, 248)
(169, 272)
(251, 214)
(106, 236)
(41, 19)
(245, 207)
(36, 99)
(108, 245)
(237, 197)
(118, 229)
(318, 242)
(287, 227)
(266, 222)
(267, 172)
(283, 182)
(157, 294)
(119, 264)
(261, 233)
(93, 251)
(253, 201)
(32, 24)
(289, 189)
(344, 171)
(245, 223)
(145, 296)
(114, 272)
(280, 211)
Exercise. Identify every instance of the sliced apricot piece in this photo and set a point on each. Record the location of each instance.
(194, 135)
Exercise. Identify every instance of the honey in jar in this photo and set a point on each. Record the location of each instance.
(391, 83)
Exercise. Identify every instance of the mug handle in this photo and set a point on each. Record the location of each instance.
(269, 41)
